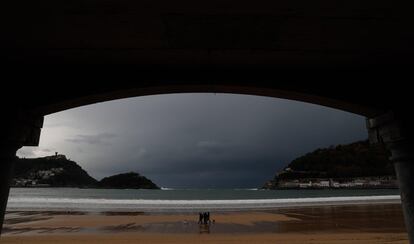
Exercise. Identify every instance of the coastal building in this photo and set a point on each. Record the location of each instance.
(364, 182)
(290, 184)
(324, 183)
(305, 185)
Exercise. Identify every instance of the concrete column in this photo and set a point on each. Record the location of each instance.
(402, 156)
(396, 134)
(19, 129)
(7, 158)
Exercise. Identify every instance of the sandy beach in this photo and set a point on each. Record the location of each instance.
(381, 223)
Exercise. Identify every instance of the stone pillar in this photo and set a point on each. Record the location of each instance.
(395, 132)
(20, 129)
(7, 158)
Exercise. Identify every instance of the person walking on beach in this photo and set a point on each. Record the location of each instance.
(200, 218)
(205, 217)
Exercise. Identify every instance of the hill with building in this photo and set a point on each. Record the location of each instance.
(58, 171)
(358, 165)
(54, 171)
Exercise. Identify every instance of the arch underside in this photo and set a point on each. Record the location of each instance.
(331, 53)
(109, 95)
(70, 88)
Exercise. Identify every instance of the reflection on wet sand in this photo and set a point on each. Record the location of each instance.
(368, 224)
(204, 228)
(327, 219)
(361, 218)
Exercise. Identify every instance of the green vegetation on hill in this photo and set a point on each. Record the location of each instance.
(58, 171)
(129, 180)
(342, 163)
(54, 171)
(359, 159)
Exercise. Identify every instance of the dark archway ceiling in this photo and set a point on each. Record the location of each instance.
(351, 55)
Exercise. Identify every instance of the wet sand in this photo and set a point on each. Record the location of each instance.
(381, 223)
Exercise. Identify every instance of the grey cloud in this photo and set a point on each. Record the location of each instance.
(27, 152)
(212, 148)
(199, 140)
(98, 139)
(54, 125)
(31, 152)
(209, 144)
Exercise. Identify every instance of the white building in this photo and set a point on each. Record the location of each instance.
(324, 183)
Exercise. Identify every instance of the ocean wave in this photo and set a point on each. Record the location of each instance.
(190, 205)
(167, 189)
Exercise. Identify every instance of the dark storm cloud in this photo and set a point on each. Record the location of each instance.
(212, 147)
(198, 140)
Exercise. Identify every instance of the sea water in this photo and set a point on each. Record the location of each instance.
(188, 200)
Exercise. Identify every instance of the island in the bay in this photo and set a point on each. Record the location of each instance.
(58, 171)
(355, 165)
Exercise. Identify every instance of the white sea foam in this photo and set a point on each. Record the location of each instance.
(89, 204)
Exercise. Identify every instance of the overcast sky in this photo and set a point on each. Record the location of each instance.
(194, 140)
